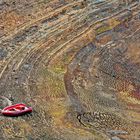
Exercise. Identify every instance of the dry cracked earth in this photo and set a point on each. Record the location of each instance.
(77, 63)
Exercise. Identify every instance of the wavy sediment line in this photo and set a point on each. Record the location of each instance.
(40, 19)
(74, 42)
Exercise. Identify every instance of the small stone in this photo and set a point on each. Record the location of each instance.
(115, 138)
(117, 132)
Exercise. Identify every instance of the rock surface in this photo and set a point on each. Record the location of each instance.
(76, 62)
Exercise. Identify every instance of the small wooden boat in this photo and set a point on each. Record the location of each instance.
(16, 110)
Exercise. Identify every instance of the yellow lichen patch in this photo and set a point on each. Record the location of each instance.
(8, 132)
(60, 62)
(108, 25)
(25, 127)
(55, 87)
(58, 68)
(102, 29)
(126, 97)
(17, 129)
(51, 85)
(133, 116)
(113, 22)
(58, 111)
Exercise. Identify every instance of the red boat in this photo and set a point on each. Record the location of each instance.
(16, 110)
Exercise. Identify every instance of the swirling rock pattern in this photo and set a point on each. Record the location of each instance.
(76, 62)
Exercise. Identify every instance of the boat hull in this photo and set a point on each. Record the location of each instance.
(16, 110)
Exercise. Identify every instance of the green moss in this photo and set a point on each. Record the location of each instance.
(102, 29)
(58, 70)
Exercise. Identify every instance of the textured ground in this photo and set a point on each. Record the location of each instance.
(76, 62)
